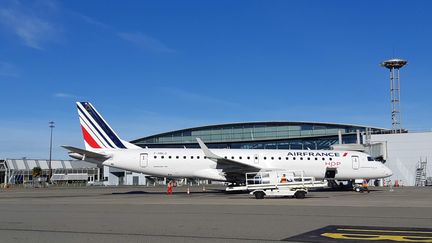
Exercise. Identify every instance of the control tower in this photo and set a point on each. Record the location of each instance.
(394, 65)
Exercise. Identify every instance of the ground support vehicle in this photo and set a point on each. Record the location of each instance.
(281, 184)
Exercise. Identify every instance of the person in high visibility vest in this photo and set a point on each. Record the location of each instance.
(365, 185)
(283, 179)
(170, 187)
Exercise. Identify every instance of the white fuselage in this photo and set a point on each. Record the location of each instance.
(193, 163)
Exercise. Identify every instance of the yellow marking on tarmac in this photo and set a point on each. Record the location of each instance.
(398, 238)
(387, 231)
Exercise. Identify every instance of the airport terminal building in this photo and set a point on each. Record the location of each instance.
(260, 135)
(406, 153)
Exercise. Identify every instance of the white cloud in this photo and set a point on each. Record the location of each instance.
(64, 95)
(145, 42)
(8, 70)
(31, 26)
(90, 20)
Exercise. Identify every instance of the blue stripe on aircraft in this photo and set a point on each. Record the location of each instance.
(103, 125)
(94, 127)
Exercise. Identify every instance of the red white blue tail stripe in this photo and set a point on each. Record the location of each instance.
(96, 131)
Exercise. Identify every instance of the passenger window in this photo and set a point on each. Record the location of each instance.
(184, 157)
(265, 157)
(225, 157)
(240, 157)
(323, 158)
(191, 157)
(316, 158)
(301, 158)
(280, 158)
(197, 157)
(256, 158)
(248, 157)
(294, 158)
(155, 157)
(162, 157)
(272, 158)
(308, 158)
(232, 157)
(169, 157)
(286, 158)
(177, 157)
(330, 159)
(205, 157)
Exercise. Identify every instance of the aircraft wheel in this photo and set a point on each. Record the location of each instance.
(259, 195)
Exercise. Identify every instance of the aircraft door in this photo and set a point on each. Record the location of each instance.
(256, 159)
(144, 160)
(355, 162)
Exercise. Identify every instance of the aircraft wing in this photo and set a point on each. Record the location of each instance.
(82, 154)
(234, 170)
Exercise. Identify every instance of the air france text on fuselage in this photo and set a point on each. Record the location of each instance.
(312, 154)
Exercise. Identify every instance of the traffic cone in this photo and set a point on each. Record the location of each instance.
(188, 191)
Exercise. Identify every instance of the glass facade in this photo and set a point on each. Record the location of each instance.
(259, 135)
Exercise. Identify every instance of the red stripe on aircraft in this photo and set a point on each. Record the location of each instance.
(89, 139)
(345, 154)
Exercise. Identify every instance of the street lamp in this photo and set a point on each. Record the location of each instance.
(51, 126)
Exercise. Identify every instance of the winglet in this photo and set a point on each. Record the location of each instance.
(206, 150)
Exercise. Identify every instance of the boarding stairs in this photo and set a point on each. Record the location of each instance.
(421, 173)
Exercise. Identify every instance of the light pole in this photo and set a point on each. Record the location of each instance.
(51, 126)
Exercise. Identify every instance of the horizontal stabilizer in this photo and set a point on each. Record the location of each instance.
(82, 154)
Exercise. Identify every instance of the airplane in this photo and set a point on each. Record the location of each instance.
(104, 147)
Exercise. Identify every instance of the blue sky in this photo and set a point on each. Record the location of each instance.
(155, 66)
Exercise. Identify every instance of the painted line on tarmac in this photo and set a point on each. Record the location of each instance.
(137, 234)
(366, 234)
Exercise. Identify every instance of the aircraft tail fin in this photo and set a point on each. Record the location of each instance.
(96, 132)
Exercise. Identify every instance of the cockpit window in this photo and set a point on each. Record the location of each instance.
(370, 158)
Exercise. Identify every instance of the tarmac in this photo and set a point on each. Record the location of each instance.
(147, 214)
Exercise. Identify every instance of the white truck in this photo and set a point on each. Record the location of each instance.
(281, 184)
